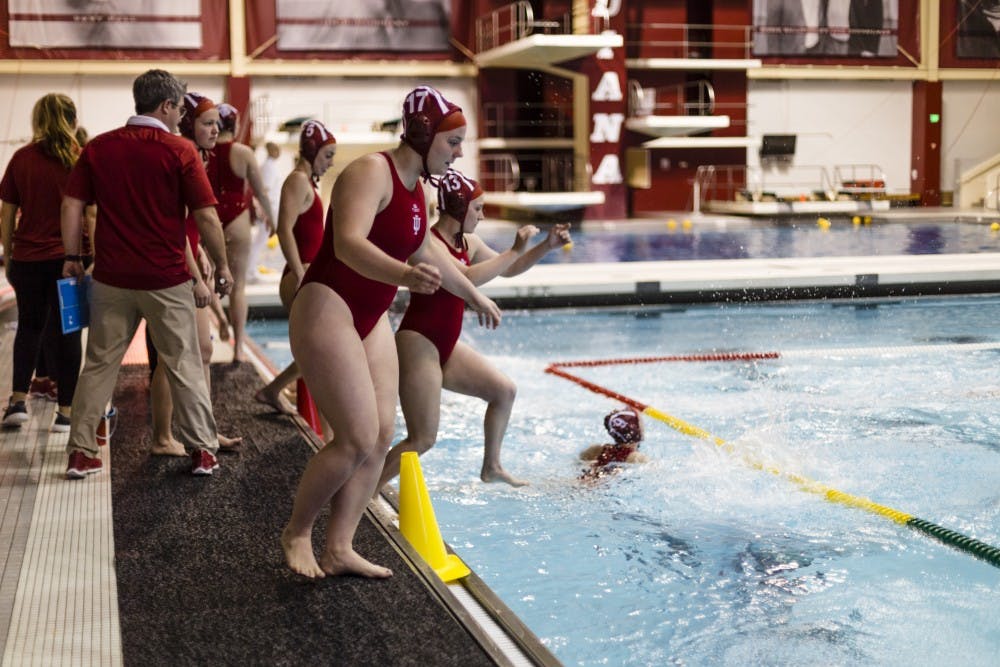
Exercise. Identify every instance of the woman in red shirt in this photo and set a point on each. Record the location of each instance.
(231, 167)
(33, 184)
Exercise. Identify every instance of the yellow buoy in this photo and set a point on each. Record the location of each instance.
(856, 220)
(671, 224)
(868, 220)
(686, 225)
(823, 223)
(995, 227)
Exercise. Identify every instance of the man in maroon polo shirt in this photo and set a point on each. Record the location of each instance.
(143, 179)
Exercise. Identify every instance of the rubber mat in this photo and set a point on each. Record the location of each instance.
(201, 578)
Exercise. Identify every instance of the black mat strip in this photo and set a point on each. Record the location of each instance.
(201, 579)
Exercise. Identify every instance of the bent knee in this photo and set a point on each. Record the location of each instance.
(505, 392)
(421, 442)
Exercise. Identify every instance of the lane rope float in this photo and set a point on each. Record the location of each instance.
(951, 538)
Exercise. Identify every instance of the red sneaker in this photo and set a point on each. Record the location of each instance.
(203, 462)
(81, 465)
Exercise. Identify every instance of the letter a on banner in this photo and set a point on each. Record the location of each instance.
(609, 88)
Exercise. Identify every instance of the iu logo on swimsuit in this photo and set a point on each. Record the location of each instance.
(416, 219)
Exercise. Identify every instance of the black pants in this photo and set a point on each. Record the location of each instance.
(39, 328)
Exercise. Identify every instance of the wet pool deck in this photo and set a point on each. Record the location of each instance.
(65, 581)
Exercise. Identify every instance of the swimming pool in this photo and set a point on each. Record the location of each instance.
(744, 239)
(728, 238)
(698, 558)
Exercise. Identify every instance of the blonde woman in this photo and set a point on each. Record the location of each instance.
(33, 184)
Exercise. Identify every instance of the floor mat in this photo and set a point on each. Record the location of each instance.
(201, 578)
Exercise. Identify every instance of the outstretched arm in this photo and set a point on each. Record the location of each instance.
(488, 264)
(557, 237)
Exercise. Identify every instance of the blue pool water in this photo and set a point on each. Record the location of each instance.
(697, 558)
(742, 239)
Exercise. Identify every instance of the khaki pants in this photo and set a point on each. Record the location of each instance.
(170, 318)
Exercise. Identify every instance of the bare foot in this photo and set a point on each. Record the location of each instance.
(300, 557)
(168, 448)
(274, 400)
(501, 475)
(351, 562)
(229, 444)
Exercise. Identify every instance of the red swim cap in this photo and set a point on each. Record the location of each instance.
(195, 104)
(624, 426)
(228, 115)
(313, 137)
(456, 192)
(425, 113)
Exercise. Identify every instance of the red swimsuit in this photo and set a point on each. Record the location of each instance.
(438, 316)
(308, 232)
(232, 192)
(398, 231)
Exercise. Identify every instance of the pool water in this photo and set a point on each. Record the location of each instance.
(741, 239)
(744, 239)
(698, 558)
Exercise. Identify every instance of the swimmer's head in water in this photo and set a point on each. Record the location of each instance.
(624, 426)
(425, 114)
(195, 104)
(314, 136)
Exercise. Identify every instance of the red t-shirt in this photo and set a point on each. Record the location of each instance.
(143, 179)
(34, 182)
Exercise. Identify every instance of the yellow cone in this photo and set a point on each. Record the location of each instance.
(418, 523)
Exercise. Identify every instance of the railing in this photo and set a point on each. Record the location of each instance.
(694, 98)
(859, 179)
(504, 120)
(538, 172)
(688, 40)
(753, 184)
(513, 22)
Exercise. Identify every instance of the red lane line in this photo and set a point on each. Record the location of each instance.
(720, 356)
(596, 388)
